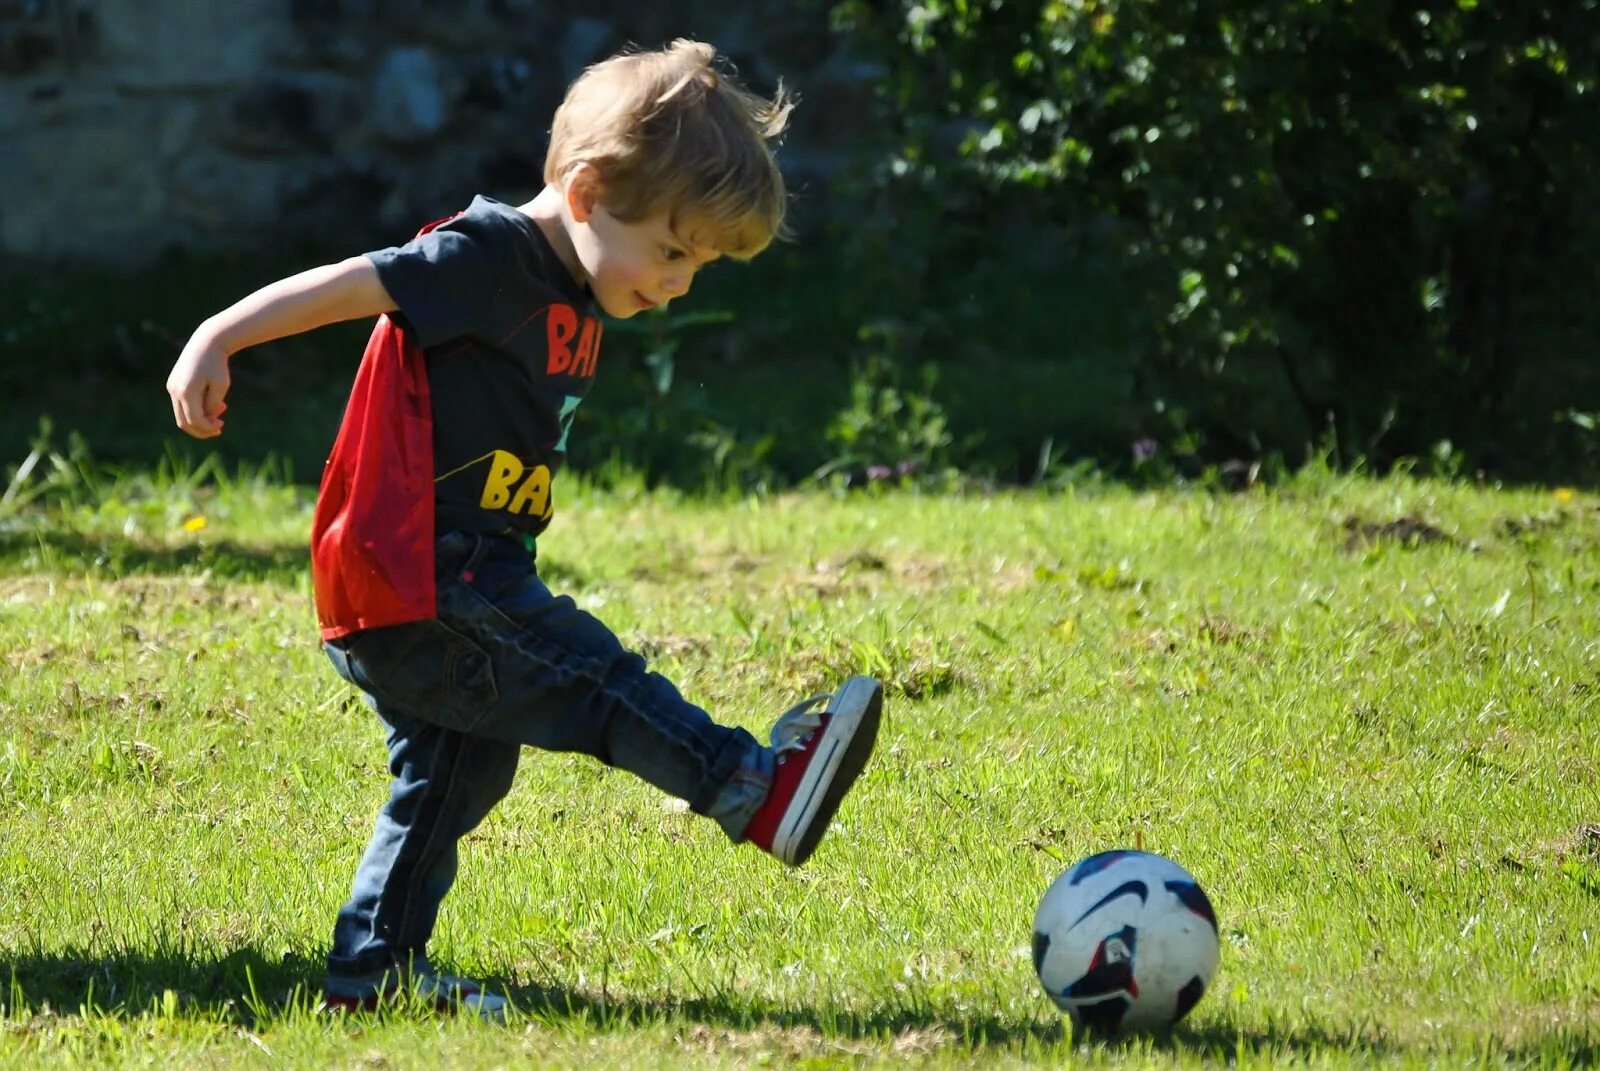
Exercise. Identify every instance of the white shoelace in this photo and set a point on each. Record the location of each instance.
(444, 984)
(794, 729)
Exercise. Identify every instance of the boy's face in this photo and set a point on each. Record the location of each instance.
(631, 267)
(637, 266)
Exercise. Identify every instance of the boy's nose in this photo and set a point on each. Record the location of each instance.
(676, 285)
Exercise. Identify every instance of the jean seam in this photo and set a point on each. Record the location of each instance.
(420, 871)
(542, 647)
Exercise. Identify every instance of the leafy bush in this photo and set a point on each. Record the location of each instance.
(1360, 222)
(889, 430)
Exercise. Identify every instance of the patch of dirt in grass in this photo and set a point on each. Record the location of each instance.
(923, 678)
(1221, 632)
(74, 700)
(787, 1045)
(917, 672)
(864, 571)
(847, 574)
(229, 929)
(922, 573)
(1571, 529)
(1209, 631)
(862, 560)
(728, 561)
(676, 646)
(1055, 841)
(31, 657)
(675, 563)
(24, 589)
(924, 1042)
(1582, 843)
(1531, 524)
(809, 672)
(1409, 531)
(857, 571)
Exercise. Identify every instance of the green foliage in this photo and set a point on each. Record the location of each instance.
(1586, 428)
(660, 429)
(1376, 207)
(885, 425)
(889, 430)
(51, 474)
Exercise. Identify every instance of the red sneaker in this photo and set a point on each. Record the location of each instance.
(820, 754)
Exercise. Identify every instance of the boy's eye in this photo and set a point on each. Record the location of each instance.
(669, 253)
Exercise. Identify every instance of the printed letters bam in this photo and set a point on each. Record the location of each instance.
(561, 327)
(512, 486)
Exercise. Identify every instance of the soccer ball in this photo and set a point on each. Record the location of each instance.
(1125, 940)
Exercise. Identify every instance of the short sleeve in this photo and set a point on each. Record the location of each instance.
(448, 282)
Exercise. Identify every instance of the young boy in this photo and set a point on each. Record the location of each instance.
(440, 478)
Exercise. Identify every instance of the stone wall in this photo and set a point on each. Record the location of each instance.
(129, 128)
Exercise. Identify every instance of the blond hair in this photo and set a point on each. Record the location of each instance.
(674, 131)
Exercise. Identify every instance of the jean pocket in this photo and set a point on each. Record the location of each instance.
(457, 552)
(425, 670)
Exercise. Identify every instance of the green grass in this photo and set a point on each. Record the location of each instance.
(1361, 712)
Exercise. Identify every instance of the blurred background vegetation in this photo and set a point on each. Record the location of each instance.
(1161, 240)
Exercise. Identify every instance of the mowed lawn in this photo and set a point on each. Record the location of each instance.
(1362, 712)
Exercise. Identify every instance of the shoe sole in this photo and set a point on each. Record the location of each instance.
(839, 760)
(491, 1009)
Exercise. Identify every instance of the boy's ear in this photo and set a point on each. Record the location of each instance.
(583, 192)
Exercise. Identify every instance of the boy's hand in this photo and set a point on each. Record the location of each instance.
(197, 385)
(199, 381)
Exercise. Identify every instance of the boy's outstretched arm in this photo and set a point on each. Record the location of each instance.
(198, 383)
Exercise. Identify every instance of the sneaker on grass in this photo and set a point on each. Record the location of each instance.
(443, 992)
(820, 746)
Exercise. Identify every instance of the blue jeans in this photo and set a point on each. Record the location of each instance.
(504, 664)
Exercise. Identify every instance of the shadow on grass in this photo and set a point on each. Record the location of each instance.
(254, 989)
(116, 556)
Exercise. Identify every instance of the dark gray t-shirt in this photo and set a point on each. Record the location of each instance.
(511, 341)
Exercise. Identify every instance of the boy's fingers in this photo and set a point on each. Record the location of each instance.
(215, 407)
(198, 386)
(188, 412)
(194, 410)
